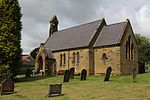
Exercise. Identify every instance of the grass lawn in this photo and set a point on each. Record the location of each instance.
(94, 88)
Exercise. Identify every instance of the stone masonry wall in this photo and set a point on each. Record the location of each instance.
(83, 60)
(112, 59)
(128, 64)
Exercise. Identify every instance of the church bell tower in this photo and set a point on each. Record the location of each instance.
(53, 25)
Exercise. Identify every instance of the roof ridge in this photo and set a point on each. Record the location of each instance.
(79, 25)
(117, 23)
(73, 27)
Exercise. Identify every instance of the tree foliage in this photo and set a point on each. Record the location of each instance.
(143, 48)
(10, 35)
(34, 52)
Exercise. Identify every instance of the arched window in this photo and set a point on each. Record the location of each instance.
(74, 58)
(104, 57)
(129, 47)
(132, 51)
(60, 60)
(64, 59)
(78, 57)
(127, 50)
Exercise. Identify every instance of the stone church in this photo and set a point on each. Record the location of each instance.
(93, 46)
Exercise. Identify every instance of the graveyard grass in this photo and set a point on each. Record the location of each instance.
(94, 88)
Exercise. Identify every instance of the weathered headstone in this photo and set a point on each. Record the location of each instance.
(83, 74)
(55, 90)
(71, 73)
(7, 86)
(134, 72)
(108, 72)
(66, 76)
(5, 76)
(27, 73)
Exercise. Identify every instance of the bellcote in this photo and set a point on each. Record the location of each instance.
(53, 25)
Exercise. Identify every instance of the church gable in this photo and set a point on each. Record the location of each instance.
(111, 34)
(118, 43)
(129, 52)
(128, 33)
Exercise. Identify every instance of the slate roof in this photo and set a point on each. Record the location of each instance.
(27, 60)
(74, 37)
(111, 34)
(48, 53)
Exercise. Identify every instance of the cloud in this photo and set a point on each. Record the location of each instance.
(143, 19)
(37, 13)
(36, 16)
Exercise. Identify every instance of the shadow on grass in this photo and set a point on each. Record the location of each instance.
(7, 93)
(32, 78)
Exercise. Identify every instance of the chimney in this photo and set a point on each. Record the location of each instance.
(53, 25)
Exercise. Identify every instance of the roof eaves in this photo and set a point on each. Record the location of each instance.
(71, 48)
(109, 45)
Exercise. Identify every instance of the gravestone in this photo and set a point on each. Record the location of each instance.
(71, 73)
(55, 90)
(66, 76)
(7, 86)
(134, 72)
(27, 73)
(5, 76)
(83, 74)
(108, 72)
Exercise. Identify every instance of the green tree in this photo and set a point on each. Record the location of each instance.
(143, 48)
(10, 36)
(34, 52)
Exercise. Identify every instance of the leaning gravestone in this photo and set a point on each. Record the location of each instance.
(83, 74)
(66, 76)
(134, 72)
(71, 73)
(55, 90)
(7, 86)
(108, 72)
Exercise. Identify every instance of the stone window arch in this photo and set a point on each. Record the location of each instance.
(104, 56)
(78, 58)
(64, 58)
(132, 51)
(61, 56)
(74, 58)
(127, 50)
(129, 54)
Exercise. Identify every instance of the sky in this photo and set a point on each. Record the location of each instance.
(70, 13)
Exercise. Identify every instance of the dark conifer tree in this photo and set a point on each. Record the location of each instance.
(10, 36)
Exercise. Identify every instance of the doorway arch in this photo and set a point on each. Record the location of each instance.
(45, 62)
(40, 63)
